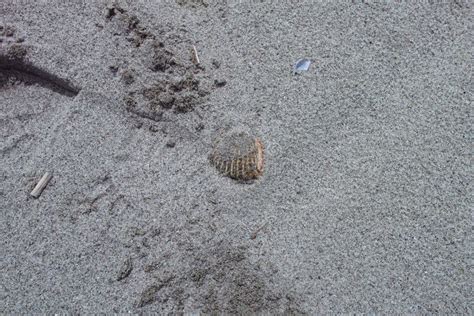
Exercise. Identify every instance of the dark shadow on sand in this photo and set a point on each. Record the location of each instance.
(30, 74)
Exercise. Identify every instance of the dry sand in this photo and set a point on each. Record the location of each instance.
(365, 202)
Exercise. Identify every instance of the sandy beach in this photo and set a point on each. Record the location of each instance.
(365, 201)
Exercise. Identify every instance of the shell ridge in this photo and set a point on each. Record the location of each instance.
(238, 155)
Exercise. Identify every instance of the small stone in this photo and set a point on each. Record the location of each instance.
(109, 13)
(220, 82)
(113, 69)
(112, 11)
(216, 64)
(125, 270)
(170, 144)
(199, 68)
(199, 127)
(127, 77)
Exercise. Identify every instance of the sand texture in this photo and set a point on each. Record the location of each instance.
(365, 202)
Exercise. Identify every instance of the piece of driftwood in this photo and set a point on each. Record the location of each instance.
(43, 182)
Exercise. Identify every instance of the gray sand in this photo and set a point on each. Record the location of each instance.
(365, 202)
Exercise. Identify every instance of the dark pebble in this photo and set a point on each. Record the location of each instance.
(220, 82)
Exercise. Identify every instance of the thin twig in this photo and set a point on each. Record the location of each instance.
(195, 56)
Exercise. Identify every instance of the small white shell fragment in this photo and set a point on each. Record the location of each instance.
(302, 65)
(43, 182)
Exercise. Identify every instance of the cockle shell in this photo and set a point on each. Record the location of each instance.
(238, 155)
